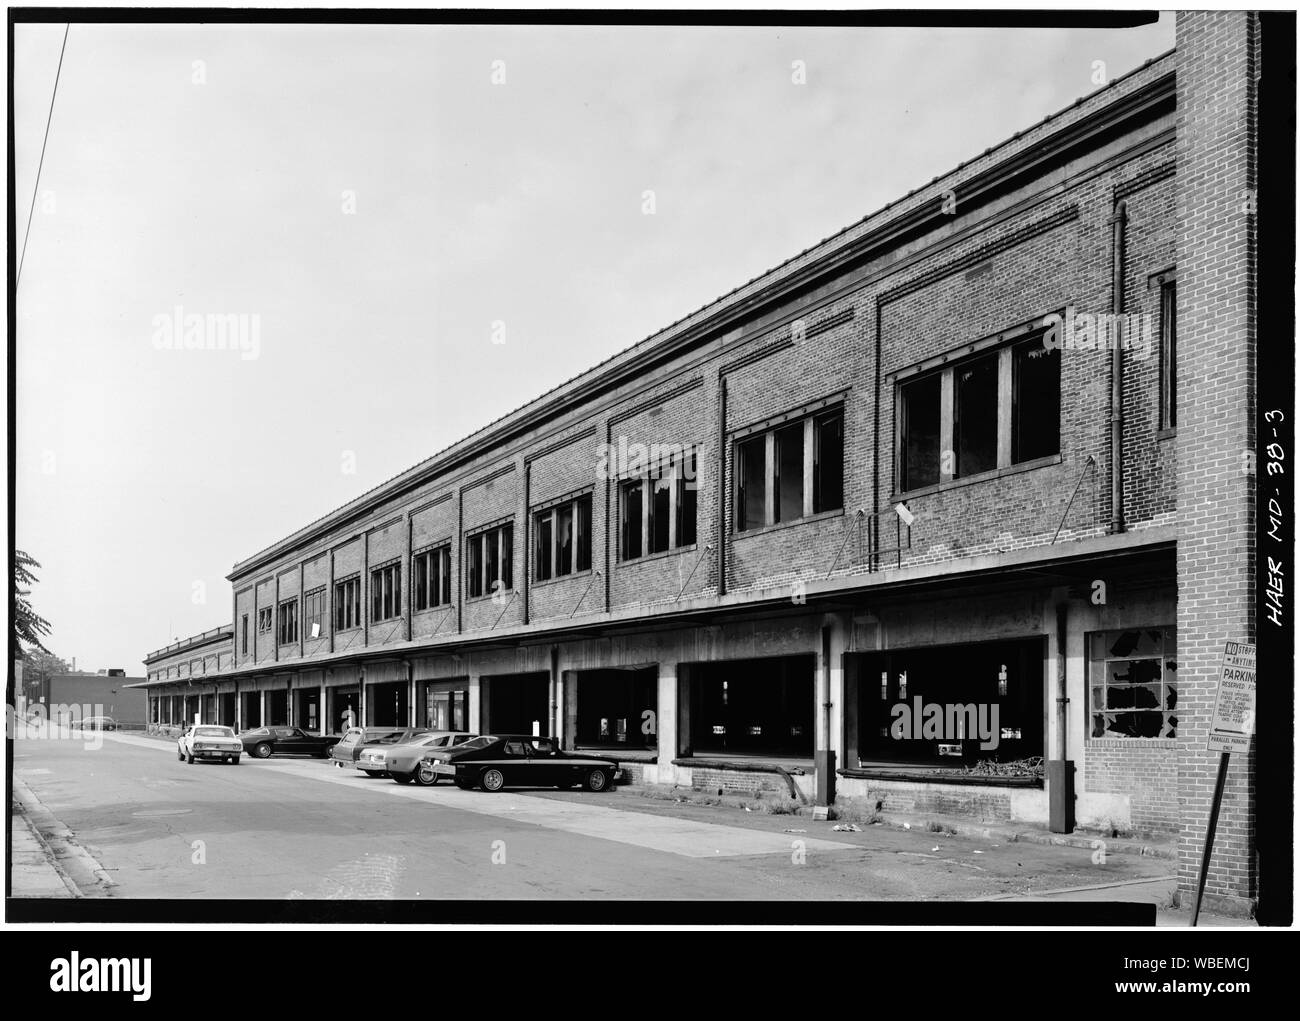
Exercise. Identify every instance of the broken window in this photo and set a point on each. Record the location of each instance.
(920, 424)
(1133, 683)
(288, 622)
(1036, 401)
(314, 612)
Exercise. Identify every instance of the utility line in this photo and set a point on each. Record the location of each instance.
(36, 188)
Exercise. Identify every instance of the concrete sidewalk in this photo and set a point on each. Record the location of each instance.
(33, 871)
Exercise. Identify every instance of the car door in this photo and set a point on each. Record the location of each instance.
(515, 764)
(293, 741)
(544, 769)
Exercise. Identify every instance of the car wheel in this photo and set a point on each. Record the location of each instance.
(189, 757)
(234, 760)
(597, 780)
(425, 776)
(180, 755)
(403, 778)
(262, 751)
(492, 780)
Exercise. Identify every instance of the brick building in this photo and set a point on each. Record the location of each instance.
(981, 449)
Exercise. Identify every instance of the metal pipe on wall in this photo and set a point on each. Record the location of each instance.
(1117, 222)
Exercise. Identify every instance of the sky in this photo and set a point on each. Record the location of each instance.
(427, 227)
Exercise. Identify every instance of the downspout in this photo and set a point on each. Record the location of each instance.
(1117, 369)
(1062, 700)
(722, 485)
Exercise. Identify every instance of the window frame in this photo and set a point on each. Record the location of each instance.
(546, 522)
(1168, 421)
(286, 615)
(671, 474)
(478, 584)
(434, 592)
(315, 596)
(347, 603)
(1098, 670)
(1005, 412)
(386, 592)
(808, 423)
(265, 620)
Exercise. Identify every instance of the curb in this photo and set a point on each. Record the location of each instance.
(76, 866)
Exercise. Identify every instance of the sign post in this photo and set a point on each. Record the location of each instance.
(1230, 731)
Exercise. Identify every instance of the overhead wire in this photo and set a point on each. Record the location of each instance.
(40, 165)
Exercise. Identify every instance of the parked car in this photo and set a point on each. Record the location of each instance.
(401, 761)
(208, 741)
(348, 749)
(95, 723)
(517, 760)
(264, 742)
(383, 743)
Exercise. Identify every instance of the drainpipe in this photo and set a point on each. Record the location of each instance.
(1117, 370)
(722, 485)
(824, 757)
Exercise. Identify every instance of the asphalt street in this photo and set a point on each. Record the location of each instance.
(140, 823)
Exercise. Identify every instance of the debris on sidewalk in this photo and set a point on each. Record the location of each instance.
(846, 827)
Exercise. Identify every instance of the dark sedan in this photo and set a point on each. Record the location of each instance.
(516, 760)
(264, 742)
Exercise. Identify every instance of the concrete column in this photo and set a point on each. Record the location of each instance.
(476, 721)
(261, 715)
(666, 723)
(323, 711)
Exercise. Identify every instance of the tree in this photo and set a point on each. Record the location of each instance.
(29, 626)
(38, 667)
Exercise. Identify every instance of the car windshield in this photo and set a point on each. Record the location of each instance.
(213, 732)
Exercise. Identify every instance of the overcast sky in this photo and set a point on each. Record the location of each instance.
(379, 202)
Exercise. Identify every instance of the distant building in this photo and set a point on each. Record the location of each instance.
(103, 694)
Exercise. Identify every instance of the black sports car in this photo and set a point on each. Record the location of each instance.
(517, 760)
(264, 742)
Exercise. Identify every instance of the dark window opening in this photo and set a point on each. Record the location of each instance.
(920, 424)
(347, 604)
(941, 705)
(975, 416)
(751, 507)
(1168, 355)
(788, 483)
(1036, 401)
(828, 462)
(753, 707)
(618, 708)
(386, 592)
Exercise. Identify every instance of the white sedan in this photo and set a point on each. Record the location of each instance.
(209, 742)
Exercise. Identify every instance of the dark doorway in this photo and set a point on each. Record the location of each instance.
(618, 708)
(306, 709)
(226, 710)
(445, 705)
(344, 701)
(915, 705)
(277, 708)
(515, 702)
(252, 715)
(386, 705)
(753, 707)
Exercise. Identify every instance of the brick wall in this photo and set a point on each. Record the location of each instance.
(1145, 771)
(1216, 167)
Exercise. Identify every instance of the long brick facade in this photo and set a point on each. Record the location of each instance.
(1052, 571)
